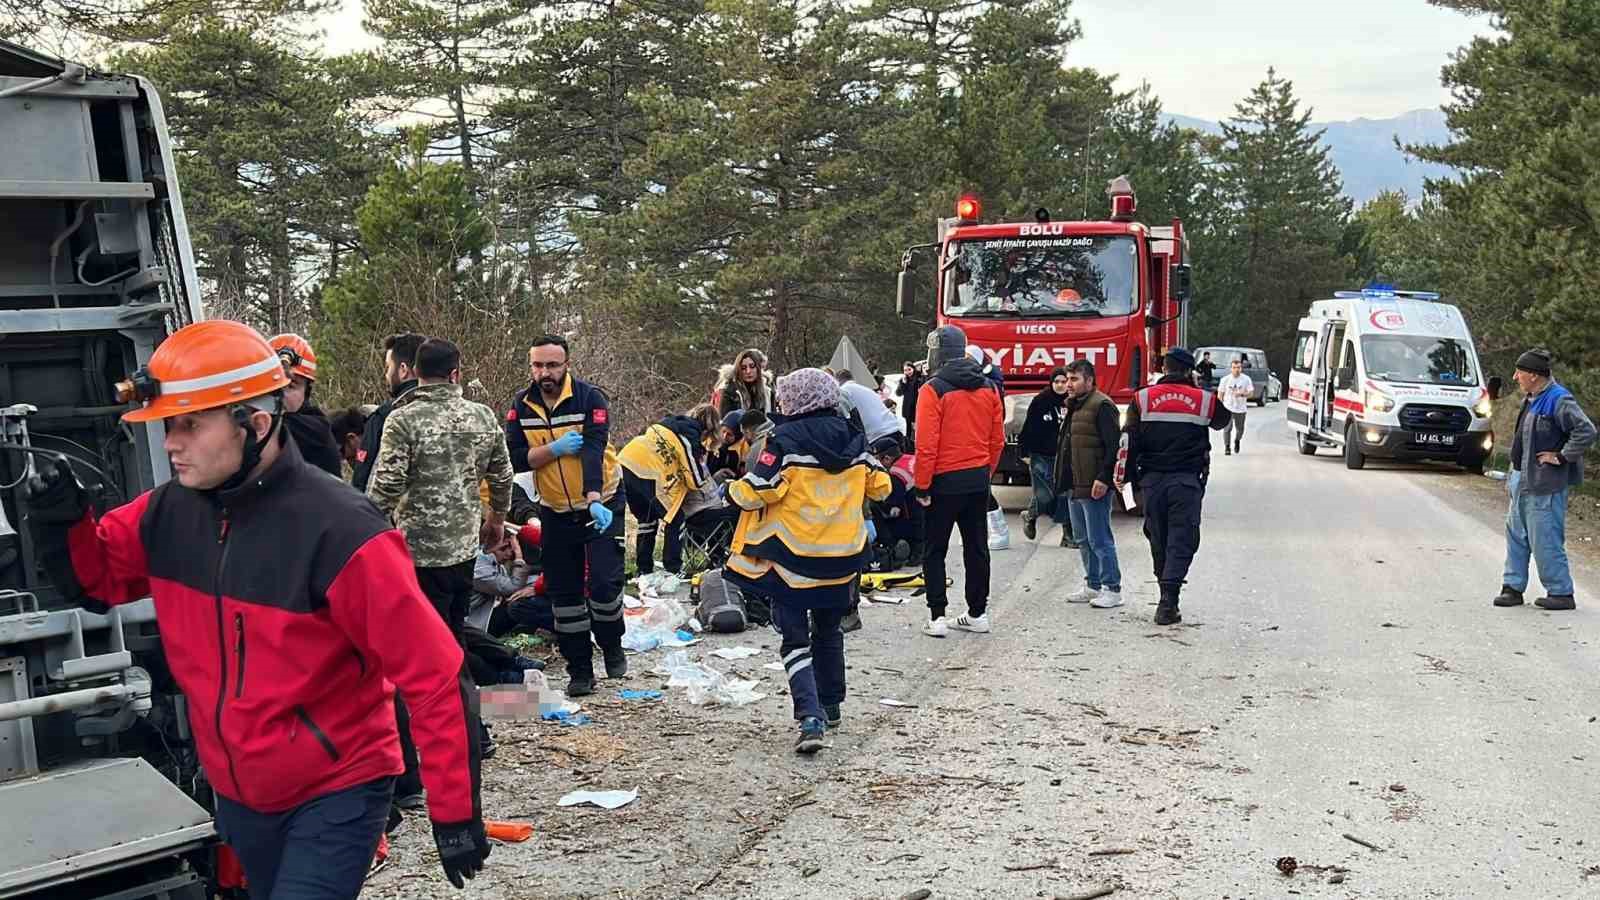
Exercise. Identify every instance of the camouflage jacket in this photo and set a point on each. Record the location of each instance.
(437, 447)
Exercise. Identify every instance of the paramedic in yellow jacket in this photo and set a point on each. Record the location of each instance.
(660, 468)
(802, 539)
(559, 428)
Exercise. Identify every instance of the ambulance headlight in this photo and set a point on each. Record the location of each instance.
(1484, 406)
(1378, 401)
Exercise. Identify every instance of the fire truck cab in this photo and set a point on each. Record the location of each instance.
(1390, 374)
(1035, 296)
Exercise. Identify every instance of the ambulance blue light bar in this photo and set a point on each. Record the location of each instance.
(1385, 292)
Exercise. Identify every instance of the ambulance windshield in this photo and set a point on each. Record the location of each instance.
(1418, 359)
(1043, 277)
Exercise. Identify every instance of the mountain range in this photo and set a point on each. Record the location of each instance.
(1365, 152)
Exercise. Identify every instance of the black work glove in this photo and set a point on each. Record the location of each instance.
(462, 849)
(55, 496)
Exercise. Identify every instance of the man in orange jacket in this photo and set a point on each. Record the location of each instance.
(960, 433)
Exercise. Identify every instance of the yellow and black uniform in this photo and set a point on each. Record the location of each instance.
(801, 543)
(802, 535)
(581, 407)
(660, 469)
(570, 542)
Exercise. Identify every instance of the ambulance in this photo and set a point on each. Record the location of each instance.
(1389, 374)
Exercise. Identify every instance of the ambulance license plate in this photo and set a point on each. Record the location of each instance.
(1433, 439)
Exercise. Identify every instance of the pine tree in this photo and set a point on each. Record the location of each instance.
(1273, 245)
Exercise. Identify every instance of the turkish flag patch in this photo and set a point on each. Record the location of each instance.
(361, 456)
(600, 417)
(766, 458)
(511, 414)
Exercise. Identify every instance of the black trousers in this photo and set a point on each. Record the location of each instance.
(320, 850)
(1171, 504)
(967, 512)
(584, 605)
(649, 513)
(449, 589)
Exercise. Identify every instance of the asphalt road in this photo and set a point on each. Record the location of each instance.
(1339, 672)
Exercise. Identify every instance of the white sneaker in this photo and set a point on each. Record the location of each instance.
(979, 625)
(1107, 600)
(937, 628)
(1082, 595)
(999, 531)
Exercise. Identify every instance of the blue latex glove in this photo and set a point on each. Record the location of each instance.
(601, 514)
(872, 532)
(567, 444)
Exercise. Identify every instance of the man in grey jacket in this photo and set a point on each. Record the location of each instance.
(1547, 449)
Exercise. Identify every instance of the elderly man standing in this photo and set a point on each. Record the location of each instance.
(1546, 460)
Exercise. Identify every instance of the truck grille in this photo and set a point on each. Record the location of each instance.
(1430, 417)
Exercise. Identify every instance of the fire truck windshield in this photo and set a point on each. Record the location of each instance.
(1043, 277)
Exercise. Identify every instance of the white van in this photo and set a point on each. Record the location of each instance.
(1390, 374)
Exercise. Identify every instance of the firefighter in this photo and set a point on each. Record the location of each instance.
(802, 540)
(1169, 458)
(290, 616)
(308, 426)
(559, 427)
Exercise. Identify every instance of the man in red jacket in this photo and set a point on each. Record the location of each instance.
(960, 433)
(289, 614)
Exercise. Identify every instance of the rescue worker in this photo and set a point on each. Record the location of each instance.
(960, 433)
(801, 541)
(1169, 459)
(559, 428)
(659, 469)
(308, 426)
(289, 615)
(400, 371)
(1547, 448)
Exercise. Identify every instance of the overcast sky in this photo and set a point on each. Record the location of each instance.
(1347, 59)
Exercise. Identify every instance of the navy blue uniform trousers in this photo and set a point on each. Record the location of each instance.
(320, 850)
(1171, 503)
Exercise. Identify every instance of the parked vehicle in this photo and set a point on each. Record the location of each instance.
(1393, 374)
(1274, 388)
(1255, 366)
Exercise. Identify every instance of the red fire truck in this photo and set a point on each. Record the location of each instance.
(1037, 295)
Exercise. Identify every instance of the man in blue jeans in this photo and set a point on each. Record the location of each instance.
(1547, 449)
(1086, 460)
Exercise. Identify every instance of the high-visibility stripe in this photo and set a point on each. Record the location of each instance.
(531, 423)
(1183, 418)
(205, 382)
(569, 419)
(775, 528)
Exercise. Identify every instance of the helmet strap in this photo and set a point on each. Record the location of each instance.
(252, 445)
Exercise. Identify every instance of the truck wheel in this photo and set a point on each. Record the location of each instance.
(1353, 457)
(1263, 400)
(1306, 447)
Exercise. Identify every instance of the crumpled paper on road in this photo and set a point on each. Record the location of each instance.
(602, 799)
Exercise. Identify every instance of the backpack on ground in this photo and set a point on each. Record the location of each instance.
(722, 607)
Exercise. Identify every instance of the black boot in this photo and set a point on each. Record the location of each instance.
(1167, 609)
(1556, 602)
(616, 662)
(1509, 596)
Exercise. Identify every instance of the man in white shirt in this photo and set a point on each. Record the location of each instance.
(877, 419)
(1235, 389)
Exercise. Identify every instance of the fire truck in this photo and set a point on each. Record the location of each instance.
(1038, 295)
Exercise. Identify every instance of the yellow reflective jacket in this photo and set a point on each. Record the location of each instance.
(564, 483)
(802, 504)
(669, 454)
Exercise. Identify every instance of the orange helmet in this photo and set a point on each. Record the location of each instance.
(297, 355)
(206, 365)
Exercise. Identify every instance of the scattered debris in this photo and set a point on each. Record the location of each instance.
(1030, 867)
(736, 652)
(899, 704)
(566, 718)
(1368, 844)
(919, 894)
(631, 694)
(1398, 788)
(512, 832)
(602, 799)
(1113, 851)
(1106, 891)
(1336, 878)
(1287, 864)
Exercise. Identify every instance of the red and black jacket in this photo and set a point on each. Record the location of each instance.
(289, 612)
(1167, 427)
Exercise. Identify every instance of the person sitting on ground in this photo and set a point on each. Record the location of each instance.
(897, 518)
(725, 458)
(755, 427)
(521, 604)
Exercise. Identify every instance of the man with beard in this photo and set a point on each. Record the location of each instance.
(559, 427)
(307, 424)
(400, 371)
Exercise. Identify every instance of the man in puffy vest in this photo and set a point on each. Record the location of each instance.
(1084, 462)
(1169, 458)
(290, 615)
